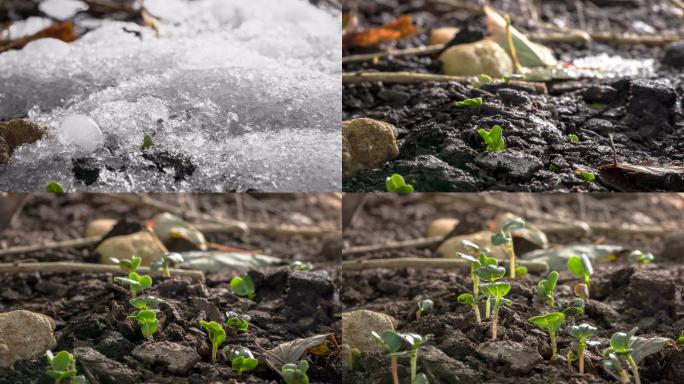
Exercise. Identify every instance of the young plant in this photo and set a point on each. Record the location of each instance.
(241, 359)
(613, 365)
(680, 339)
(507, 78)
(147, 142)
(127, 265)
(641, 257)
(493, 138)
(476, 263)
(546, 287)
(217, 335)
(396, 183)
(302, 266)
(505, 238)
(581, 332)
(62, 367)
(243, 286)
(165, 262)
(474, 103)
(620, 345)
(414, 341)
(54, 187)
(574, 138)
(586, 175)
(424, 307)
(551, 323)
(573, 308)
(392, 342)
(236, 322)
(489, 273)
(147, 319)
(496, 290)
(468, 299)
(580, 266)
(136, 283)
(295, 373)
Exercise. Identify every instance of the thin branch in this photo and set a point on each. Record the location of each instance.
(73, 243)
(431, 263)
(413, 243)
(416, 51)
(67, 266)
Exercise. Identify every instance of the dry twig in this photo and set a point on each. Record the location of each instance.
(432, 263)
(68, 266)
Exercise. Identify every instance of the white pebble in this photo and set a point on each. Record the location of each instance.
(81, 131)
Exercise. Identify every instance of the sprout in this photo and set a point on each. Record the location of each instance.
(243, 286)
(586, 175)
(550, 322)
(680, 339)
(520, 271)
(54, 187)
(475, 103)
(147, 142)
(241, 359)
(580, 266)
(641, 257)
(236, 322)
(490, 273)
(497, 291)
(425, 307)
(573, 308)
(507, 78)
(574, 138)
(581, 332)
(483, 78)
(147, 319)
(392, 342)
(63, 366)
(505, 238)
(476, 263)
(147, 302)
(414, 341)
(612, 364)
(396, 183)
(127, 265)
(216, 335)
(620, 346)
(302, 266)
(467, 298)
(546, 287)
(493, 138)
(295, 373)
(136, 283)
(165, 261)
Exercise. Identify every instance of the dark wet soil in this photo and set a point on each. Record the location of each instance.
(90, 309)
(622, 295)
(440, 149)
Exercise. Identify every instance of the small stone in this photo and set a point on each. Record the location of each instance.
(652, 291)
(599, 94)
(104, 368)
(600, 310)
(517, 166)
(457, 153)
(82, 132)
(441, 227)
(483, 239)
(140, 244)
(178, 234)
(366, 144)
(674, 55)
(518, 357)
(307, 290)
(427, 173)
(673, 248)
(24, 335)
(442, 35)
(114, 344)
(513, 98)
(601, 126)
(651, 107)
(15, 133)
(440, 368)
(358, 325)
(99, 227)
(473, 59)
(176, 358)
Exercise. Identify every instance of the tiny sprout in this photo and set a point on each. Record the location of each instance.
(241, 359)
(392, 342)
(612, 363)
(620, 345)
(580, 266)
(493, 138)
(598, 106)
(490, 273)
(581, 332)
(550, 322)
(496, 290)
(641, 257)
(574, 138)
(586, 175)
(472, 103)
(507, 78)
(505, 238)
(302, 266)
(520, 271)
(147, 142)
(165, 261)
(63, 366)
(414, 341)
(127, 265)
(573, 308)
(484, 79)
(468, 299)
(243, 286)
(546, 287)
(54, 187)
(554, 168)
(396, 183)
(147, 319)
(476, 263)
(236, 322)
(216, 335)
(295, 373)
(680, 339)
(425, 307)
(136, 283)
(147, 302)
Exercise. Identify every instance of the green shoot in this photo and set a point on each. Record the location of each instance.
(243, 286)
(490, 273)
(612, 364)
(468, 299)
(54, 187)
(620, 346)
(147, 142)
(136, 283)
(165, 261)
(641, 257)
(236, 322)
(520, 271)
(580, 266)
(302, 266)
(424, 307)
(241, 359)
(476, 263)
(216, 335)
(484, 79)
(554, 168)
(415, 341)
(546, 287)
(396, 183)
(574, 138)
(295, 373)
(505, 238)
(147, 319)
(680, 339)
(507, 78)
(581, 332)
(392, 341)
(147, 302)
(496, 290)
(63, 366)
(551, 323)
(573, 308)
(586, 175)
(493, 138)
(474, 103)
(127, 265)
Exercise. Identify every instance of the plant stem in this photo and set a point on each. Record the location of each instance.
(476, 282)
(214, 351)
(149, 337)
(552, 302)
(635, 369)
(624, 378)
(476, 309)
(166, 271)
(554, 349)
(511, 258)
(393, 368)
(495, 317)
(581, 359)
(488, 309)
(414, 364)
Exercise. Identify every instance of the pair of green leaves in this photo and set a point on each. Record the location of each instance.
(127, 265)
(295, 373)
(640, 257)
(243, 286)
(397, 343)
(136, 283)
(147, 319)
(396, 184)
(493, 138)
(165, 261)
(63, 366)
(546, 287)
(497, 289)
(304, 266)
(425, 307)
(550, 322)
(580, 266)
(217, 335)
(241, 359)
(490, 273)
(581, 332)
(237, 322)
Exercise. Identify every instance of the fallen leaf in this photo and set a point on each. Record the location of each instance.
(396, 29)
(557, 258)
(632, 178)
(293, 351)
(62, 31)
(646, 346)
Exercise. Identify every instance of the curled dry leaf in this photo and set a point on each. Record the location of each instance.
(293, 351)
(396, 29)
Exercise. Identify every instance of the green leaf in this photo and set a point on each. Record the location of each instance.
(586, 175)
(520, 271)
(466, 298)
(493, 138)
(576, 266)
(390, 340)
(243, 286)
(483, 78)
(147, 142)
(215, 331)
(173, 257)
(473, 103)
(574, 138)
(641, 257)
(574, 307)
(546, 287)
(507, 78)
(396, 183)
(497, 289)
(549, 322)
(620, 342)
(581, 331)
(426, 306)
(490, 272)
(147, 302)
(54, 187)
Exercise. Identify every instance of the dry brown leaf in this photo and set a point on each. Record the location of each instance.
(396, 29)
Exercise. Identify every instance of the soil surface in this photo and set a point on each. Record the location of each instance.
(440, 149)
(622, 297)
(90, 309)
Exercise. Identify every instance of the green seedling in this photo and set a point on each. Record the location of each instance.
(392, 341)
(641, 257)
(474, 103)
(147, 142)
(680, 339)
(146, 302)
(396, 183)
(295, 373)
(493, 138)
(581, 332)
(484, 79)
(490, 273)
(507, 78)
(613, 365)
(414, 341)
(165, 262)
(598, 106)
(425, 307)
(127, 265)
(505, 238)
(620, 345)
(586, 175)
(147, 319)
(54, 187)
(551, 323)
(520, 271)
(63, 367)
(497, 291)
(476, 263)
(136, 283)
(580, 266)
(546, 287)
(574, 138)
(554, 168)
(468, 299)
(302, 266)
(236, 322)
(241, 359)
(243, 286)
(573, 308)
(217, 335)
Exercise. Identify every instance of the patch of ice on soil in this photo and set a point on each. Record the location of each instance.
(250, 91)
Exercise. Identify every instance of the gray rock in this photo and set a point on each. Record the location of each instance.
(673, 248)
(599, 94)
(105, 369)
(430, 174)
(600, 310)
(24, 335)
(394, 97)
(514, 165)
(457, 153)
(651, 107)
(518, 357)
(674, 368)
(652, 291)
(114, 345)
(440, 368)
(307, 290)
(513, 98)
(600, 126)
(178, 359)
(674, 55)
(210, 310)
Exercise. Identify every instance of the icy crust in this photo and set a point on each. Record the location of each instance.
(250, 91)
